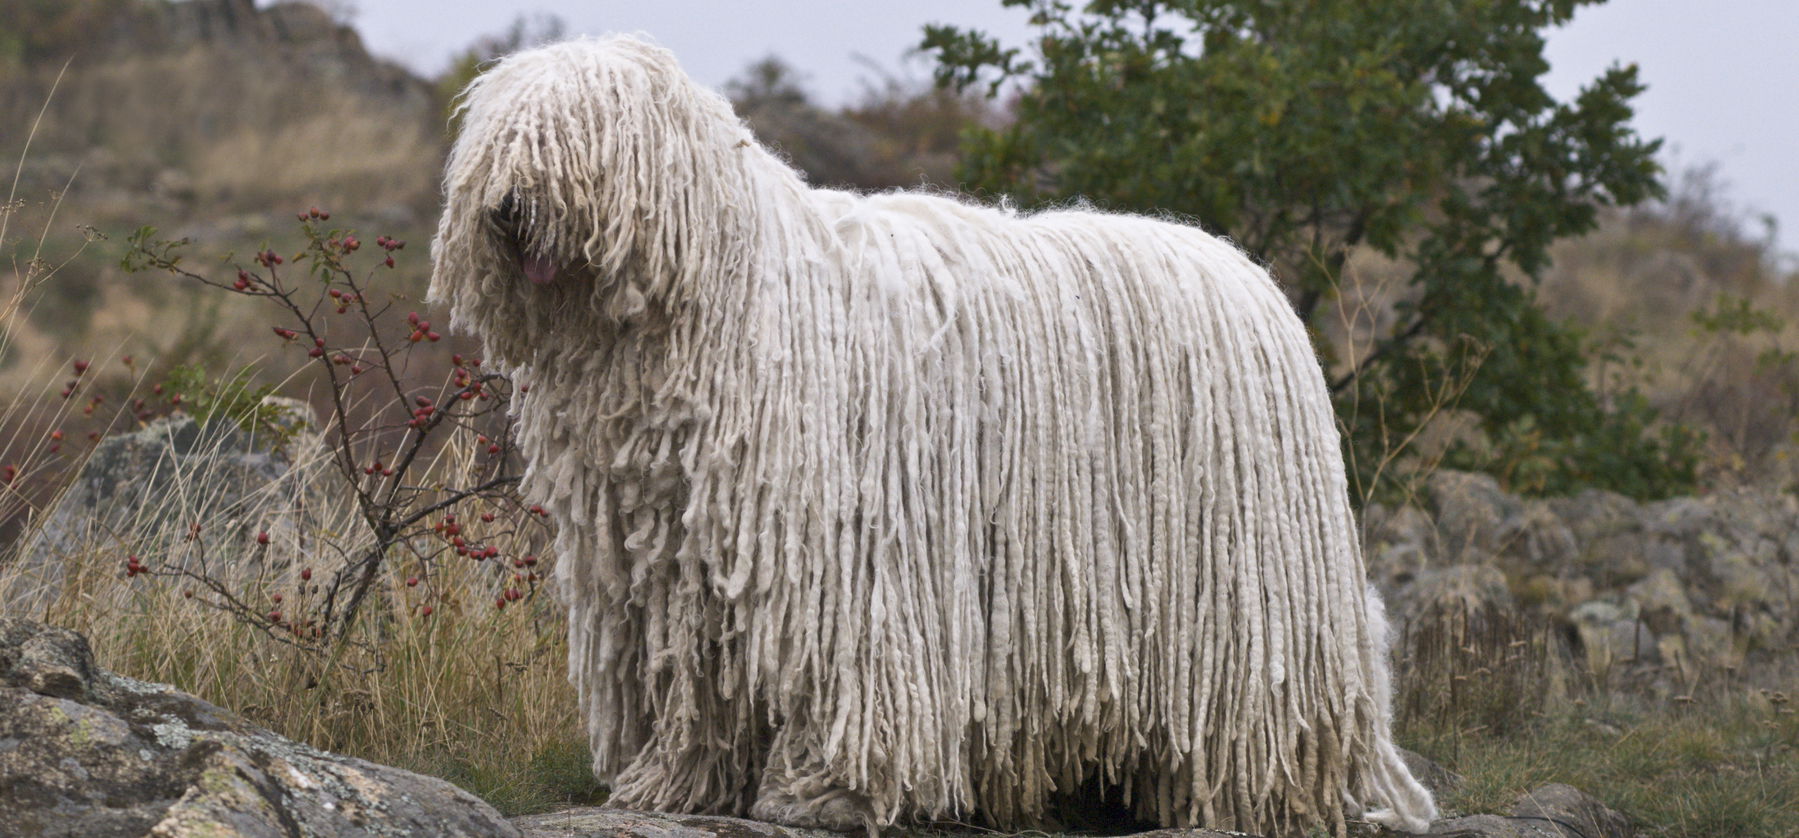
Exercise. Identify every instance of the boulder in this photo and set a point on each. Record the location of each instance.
(1612, 635)
(1536, 538)
(1568, 807)
(1472, 514)
(84, 752)
(143, 491)
(1463, 594)
(1552, 811)
(1399, 543)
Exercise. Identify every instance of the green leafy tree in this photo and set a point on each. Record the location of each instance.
(1306, 129)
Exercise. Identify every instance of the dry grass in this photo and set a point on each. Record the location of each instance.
(1649, 286)
(1497, 699)
(472, 692)
(467, 690)
(1723, 767)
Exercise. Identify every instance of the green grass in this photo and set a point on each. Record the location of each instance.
(1682, 771)
(558, 776)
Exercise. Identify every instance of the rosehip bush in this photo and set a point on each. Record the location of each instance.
(418, 441)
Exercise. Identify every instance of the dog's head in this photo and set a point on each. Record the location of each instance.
(590, 179)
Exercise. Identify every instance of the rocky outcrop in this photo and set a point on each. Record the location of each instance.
(299, 34)
(1659, 592)
(87, 753)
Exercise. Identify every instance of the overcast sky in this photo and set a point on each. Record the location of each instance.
(1723, 86)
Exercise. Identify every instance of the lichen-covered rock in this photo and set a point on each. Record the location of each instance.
(87, 753)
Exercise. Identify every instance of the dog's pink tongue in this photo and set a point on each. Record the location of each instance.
(540, 269)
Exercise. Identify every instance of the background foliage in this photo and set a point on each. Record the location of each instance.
(1306, 129)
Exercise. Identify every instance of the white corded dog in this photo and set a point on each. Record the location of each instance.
(888, 507)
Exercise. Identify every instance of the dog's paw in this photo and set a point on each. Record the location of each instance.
(836, 810)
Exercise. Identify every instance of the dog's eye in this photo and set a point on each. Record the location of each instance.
(508, 218)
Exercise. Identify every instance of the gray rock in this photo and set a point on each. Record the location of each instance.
(1487, 826)
(1400, 543)
(1471, 514)
(1595, 514)
(1675, 588)
(1552, 811)
(1467, 592)
(1538, 539)
(1611, 634)
(593, 822)
(1573, 811)
(149, 487)
(84, 752)
(621, 823)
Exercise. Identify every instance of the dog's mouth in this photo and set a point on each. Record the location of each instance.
(539, 269)
(511, 223)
